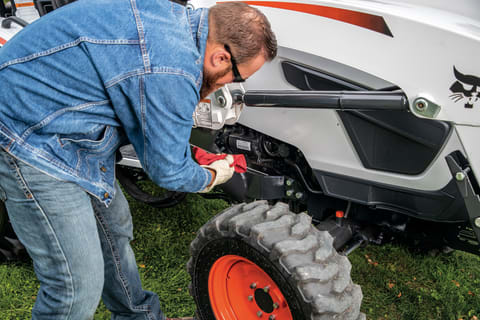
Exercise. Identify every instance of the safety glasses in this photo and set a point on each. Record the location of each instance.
(236, 74)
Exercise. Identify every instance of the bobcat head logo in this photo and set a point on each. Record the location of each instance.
(465, 89)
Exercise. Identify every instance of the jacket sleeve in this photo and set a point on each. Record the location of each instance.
(156, 112)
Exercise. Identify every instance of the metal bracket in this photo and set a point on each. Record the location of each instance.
(220, 108)
(426, 108)
(471, 199)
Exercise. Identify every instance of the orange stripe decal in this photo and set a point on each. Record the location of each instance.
(361, 19)
(24, 4)
(2, 41)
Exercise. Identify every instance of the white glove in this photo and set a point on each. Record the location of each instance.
(223, 172)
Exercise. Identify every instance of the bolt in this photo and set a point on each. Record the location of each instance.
(250, 298)
(266, 289)
(221, 101)
(289, 193)
(253, 285)
(275, 305)
(259, 313)
(477, 222)
(421, 104)
(237, 97)
(272, 317)
(289, 182)
(203, 107)
(460, 176)
(298, 195)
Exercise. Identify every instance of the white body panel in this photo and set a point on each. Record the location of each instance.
(426, 44)
(429, 39)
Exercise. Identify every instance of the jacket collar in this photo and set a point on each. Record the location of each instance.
(199, 27)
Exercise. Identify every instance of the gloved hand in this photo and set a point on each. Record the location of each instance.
(224, 170)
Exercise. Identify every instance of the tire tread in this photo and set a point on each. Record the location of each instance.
(306, 255)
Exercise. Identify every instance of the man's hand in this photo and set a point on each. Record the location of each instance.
(223, 170)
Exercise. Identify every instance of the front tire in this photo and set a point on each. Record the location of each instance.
(256, 261)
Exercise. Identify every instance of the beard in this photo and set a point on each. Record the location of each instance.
(209, 83)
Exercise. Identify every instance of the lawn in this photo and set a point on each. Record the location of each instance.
(397, 284)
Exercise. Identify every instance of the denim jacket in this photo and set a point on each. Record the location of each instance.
(88, 77)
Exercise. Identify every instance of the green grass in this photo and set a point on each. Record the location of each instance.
(399, 284)
(396, 283)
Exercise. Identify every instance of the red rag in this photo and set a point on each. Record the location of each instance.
(205, 158)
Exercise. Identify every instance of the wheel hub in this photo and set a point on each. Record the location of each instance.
(240, 289)
(264, 301)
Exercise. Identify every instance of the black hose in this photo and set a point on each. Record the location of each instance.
(7, 22)
(169, 199)
(300, 173)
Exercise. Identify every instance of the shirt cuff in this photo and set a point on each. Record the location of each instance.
(208, 179)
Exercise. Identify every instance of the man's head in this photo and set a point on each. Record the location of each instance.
(240, 41)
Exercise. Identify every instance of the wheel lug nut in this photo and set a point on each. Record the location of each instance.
(259, 313)
(250, 298)
(275, 305)
(253, 285)
(272, 317)
(266, 289)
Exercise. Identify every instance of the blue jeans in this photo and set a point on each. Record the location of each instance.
(80, 248)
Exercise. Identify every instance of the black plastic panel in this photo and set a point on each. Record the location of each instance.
(43, 6)
(445, 205)
(3, 10)
(392, 141)
(395, 141)
(308, 79)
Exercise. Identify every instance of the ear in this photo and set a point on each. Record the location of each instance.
(216, 57)
(220, 57)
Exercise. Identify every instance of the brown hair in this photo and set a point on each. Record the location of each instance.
(245, 29)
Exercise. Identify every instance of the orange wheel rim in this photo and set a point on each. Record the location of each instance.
(241, 290)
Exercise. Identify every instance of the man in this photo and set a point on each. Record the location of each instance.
(76, 85)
